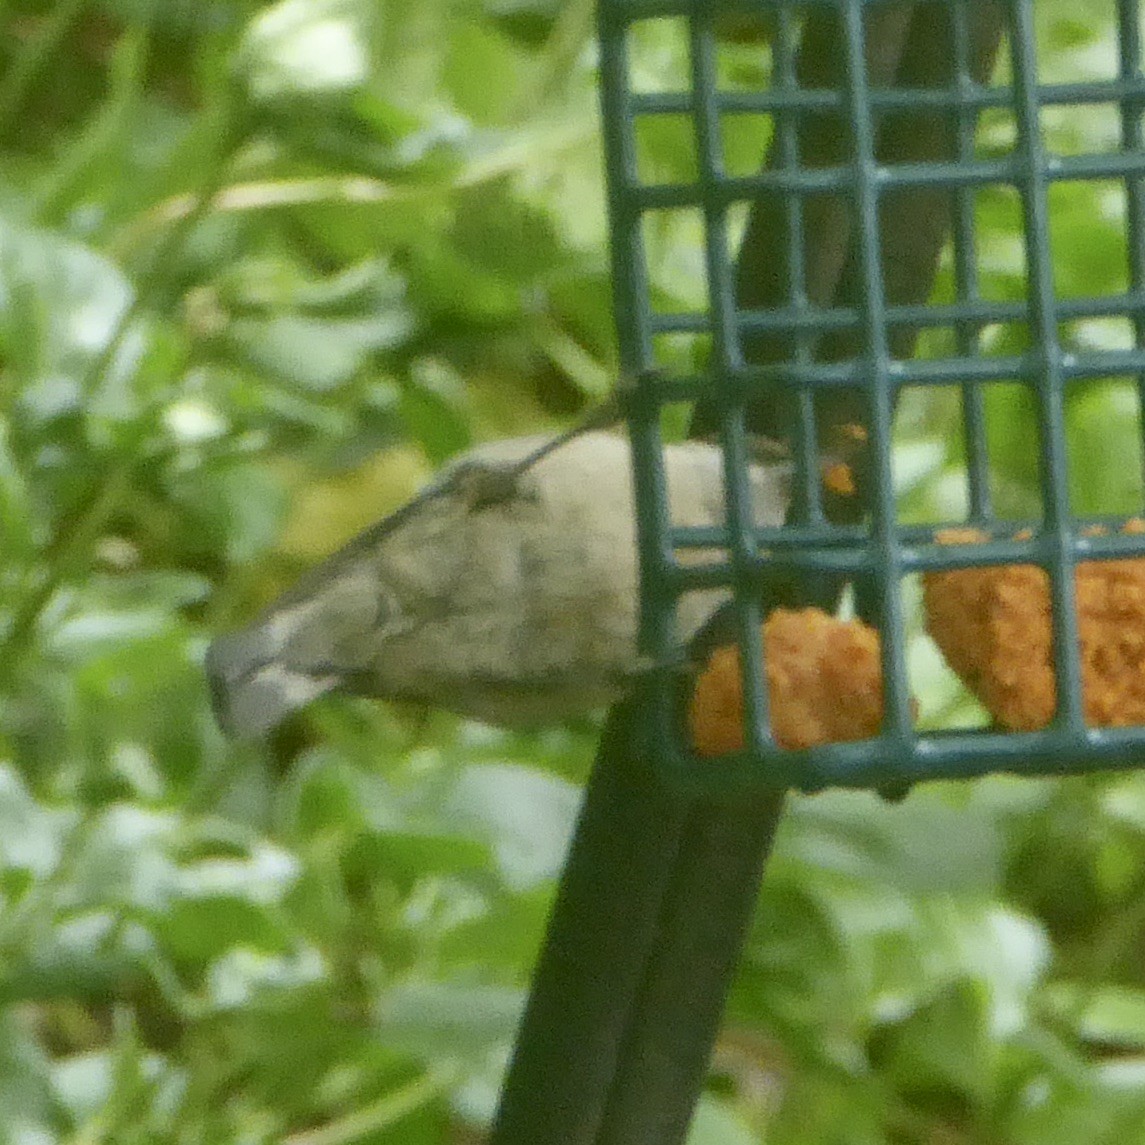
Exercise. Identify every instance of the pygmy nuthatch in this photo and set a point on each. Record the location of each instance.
(505, 592)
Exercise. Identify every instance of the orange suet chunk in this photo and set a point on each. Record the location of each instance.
(839, 479)
(824, 680)
(993, 625)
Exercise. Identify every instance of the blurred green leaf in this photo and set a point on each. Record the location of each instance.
(527, 817)
(306, 46)
(450, 1022)
(60, 305)
(940, 1054)
(1111, 1015)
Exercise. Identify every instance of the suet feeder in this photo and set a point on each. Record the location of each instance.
(813, 318)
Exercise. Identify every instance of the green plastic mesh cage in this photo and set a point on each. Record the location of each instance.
(841, 271)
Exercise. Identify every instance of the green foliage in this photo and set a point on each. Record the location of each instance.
(261, 267)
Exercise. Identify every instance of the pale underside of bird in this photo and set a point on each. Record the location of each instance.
(507, 592)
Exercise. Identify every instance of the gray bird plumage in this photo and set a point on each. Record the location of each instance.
(508, 594)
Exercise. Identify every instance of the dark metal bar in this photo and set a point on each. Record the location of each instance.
(602, 924)
(823, 180)
(722, 299)
(969, 97)
(934, 756)
(676, 1015)
(918, 371)
(1050, 376)
(896, 696)
(1131, 107)
(975, 312)
(786, 150)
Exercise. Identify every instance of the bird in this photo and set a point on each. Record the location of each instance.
(507, 591)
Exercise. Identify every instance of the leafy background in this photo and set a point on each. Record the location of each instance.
(261, 268)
